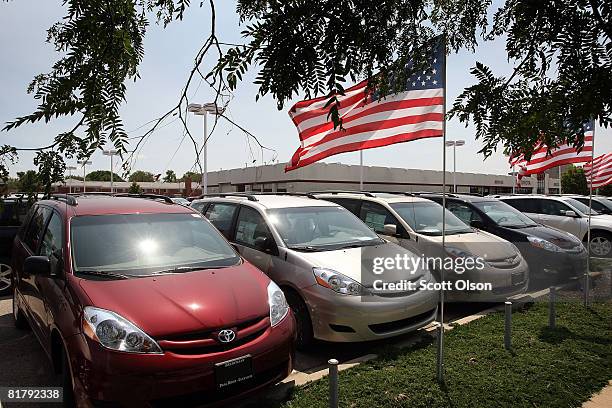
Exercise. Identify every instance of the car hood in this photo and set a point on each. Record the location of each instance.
(186, 302)
(562, 239)
(357, 263)
(479, 243)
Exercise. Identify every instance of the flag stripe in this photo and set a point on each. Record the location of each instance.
(374, 134)
(599, 171)
(316, 125)
(368, 144)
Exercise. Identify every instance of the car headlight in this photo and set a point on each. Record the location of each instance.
(338, 282)
(543, 244)
(278, 304)
(116, 333)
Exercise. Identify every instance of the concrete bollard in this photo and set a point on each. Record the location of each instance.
(333, 383)
(552, 314)
(508, 326)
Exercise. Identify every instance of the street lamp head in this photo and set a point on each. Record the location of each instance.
(449, 143)
(459, 142)
(110, 152)
(71, 168)
(211, 108)
(194, 107)
(84, 162)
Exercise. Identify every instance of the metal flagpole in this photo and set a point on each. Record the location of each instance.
(560, 190)
(440, 365)
(588, 268)
(361, 170)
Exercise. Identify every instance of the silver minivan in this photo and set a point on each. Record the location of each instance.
(322, 255)
(416, 224)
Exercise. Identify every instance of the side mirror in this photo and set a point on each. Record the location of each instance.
(390, 229)
(570, 213)
(37, 265)
(266, 244)
(478, 224)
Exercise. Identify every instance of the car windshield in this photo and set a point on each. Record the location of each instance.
(144, 244)
(426, 218)
(321, 228)
(504, 215)
(583, 208)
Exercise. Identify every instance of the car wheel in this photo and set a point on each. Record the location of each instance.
(601, 245)
(18, 316)
(302, 318)
(6, 273)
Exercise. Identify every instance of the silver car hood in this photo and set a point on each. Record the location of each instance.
(478, 243)
(357, 263)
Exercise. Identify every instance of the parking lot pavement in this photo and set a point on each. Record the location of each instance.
(23, 363)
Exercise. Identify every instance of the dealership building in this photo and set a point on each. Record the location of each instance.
(331, 176)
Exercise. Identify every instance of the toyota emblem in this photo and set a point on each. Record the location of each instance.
(226, 336)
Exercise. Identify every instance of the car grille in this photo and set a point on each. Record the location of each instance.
(506, 263)
(206, 342)
(389, 327)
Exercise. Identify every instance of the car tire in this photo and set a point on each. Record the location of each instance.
(601, 244)
(304, 337)
(19, 318)
(6, 273)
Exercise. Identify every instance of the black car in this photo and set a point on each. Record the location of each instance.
(553, 256)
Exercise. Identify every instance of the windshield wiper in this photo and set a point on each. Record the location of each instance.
(183, 269)
(372, 242)
(305, 248)
(104, 274)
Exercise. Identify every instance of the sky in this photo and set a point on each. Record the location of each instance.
(169, 55)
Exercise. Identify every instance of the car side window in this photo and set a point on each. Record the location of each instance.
(525, 205)
(53, 238)
(36, 227)
(464, 212)
(599, 207)
(348, 203)
(552, 207)
(221, 216)
(250, 226)
(376, 216)
(199, 206)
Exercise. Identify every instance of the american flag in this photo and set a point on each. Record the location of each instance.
(368, 121)
(541, 160)
(599, 171)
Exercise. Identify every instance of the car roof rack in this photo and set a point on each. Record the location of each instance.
(248, 196)
(146, 196)
(438, 193)
(404, 193)
(365, 193)
(285, 193)
(68, 199)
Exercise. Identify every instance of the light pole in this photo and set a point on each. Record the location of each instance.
(83, 163)
(70, 168)
(454, 143)
(111, 153)
(203, 110)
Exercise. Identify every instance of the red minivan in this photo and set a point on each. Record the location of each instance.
(139, 299)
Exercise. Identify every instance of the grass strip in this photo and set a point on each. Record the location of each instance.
(546, 368)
